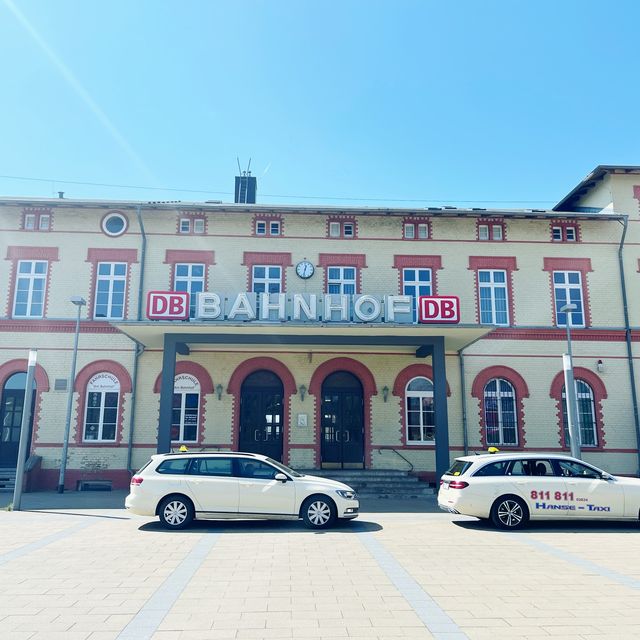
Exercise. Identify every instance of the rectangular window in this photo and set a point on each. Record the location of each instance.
(185, 225)
(184, 417)
(409, 231)
(101, 417)
(416, 283)
(423, 231)
(111, 282)
(190, 278)
(341, 280)
(349, 230)
(274, 228)
(570, 234)
(483, 232)
(30, 222)
(198, 225)
(334, 229)
(496, 230)
(567, 289)
(556, 234)
(31, 280)
(492, 294)
(261, 228)
(45, 222)
(267, 279)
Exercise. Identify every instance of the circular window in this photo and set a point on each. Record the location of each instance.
(114, 224)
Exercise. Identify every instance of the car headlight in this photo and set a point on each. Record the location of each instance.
(347, 494)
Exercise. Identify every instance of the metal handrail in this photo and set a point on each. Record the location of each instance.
(398, 453)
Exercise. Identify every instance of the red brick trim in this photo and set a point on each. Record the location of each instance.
(54, 326)
(94, 256)
(399, 390)
(570, 264)
(599, 394)
(189, 256)
(19, 365)
(234, 388)
(253, 258)
(369, 390)
(434, 263)
(267, 218)
(192, 215)
(37, 212)
(416, 220)
(491, 222)
(206, 388)
(521, 390)
(636, 192)
(505, 263)
(80, 386)
(16, 253)
(585, 335)
(563, 224)
(342, 219)
(357, 260)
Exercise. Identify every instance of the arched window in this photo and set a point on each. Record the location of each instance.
(421, 426)
(586, 415)
(500, 412)
(101, 414)
(186, 408)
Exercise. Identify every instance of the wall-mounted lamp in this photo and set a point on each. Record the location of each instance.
(303, 390)
(219, 391)
(385, 393)
(600, 366)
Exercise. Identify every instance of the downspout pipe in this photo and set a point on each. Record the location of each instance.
(627, 332)
(139, 347)
(463, 395)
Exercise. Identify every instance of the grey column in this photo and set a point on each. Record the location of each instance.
(166, 393)
(440, 407)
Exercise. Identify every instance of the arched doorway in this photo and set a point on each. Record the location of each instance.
(262, 414)
(11, 408)
(342, 421)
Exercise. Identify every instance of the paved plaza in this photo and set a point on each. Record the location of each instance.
(79, 567)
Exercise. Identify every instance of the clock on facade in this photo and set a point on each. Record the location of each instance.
(305, 269)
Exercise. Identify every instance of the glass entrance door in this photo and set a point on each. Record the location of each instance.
(342, 421)
(11, 418)
(262, 414)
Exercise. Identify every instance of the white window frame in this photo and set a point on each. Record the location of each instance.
(496, 231)
(274, 227)
(567, 288)
(261, 227)
(30, 221)
(189, 280)
(418, 285)
(423, 231)
(198, 225)
(581, 394)
(492, 285)
(111, 279)
(185, 225)
(351, 227)
(44, 223)
(342, 281)
(409, 231)
(571, 234)
(422, 394)
(267, 280)
(30, 278)
(184, 385)
(499, 395)
(483, 232)
(335, 229)
(556, 234)
(94, 386)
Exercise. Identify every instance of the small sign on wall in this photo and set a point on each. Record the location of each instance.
(303, 419)
(439, 309)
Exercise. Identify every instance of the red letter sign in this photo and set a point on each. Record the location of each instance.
(167, 305)
(439, 309)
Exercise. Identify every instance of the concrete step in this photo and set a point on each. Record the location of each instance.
(7, 479)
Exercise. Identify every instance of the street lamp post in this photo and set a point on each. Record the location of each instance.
(573, 423)
(79, 302)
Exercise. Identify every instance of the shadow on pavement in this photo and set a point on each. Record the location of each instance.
(551, 526)
(263, 526)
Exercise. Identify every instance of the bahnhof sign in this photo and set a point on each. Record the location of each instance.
(324, 337)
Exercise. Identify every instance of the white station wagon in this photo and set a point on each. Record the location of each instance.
(179, 487)
(512, 488)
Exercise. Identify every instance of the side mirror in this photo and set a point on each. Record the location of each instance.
(280, 477)
(606, 476)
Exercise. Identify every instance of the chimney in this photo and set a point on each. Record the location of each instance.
(246, 187)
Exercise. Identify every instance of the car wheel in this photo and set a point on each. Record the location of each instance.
(509, 512)
(319, 512)
(176, 512)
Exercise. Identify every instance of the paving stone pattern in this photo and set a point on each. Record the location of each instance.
(105, 575)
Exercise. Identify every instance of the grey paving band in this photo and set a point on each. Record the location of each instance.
(43, 542)
(441, 626)
(148, 619)
(589, 566)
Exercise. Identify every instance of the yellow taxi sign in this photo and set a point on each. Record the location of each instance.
(182, 449)
(493, 450)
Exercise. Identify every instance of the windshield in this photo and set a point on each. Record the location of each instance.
(283, 467)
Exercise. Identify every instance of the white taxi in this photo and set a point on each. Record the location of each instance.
(512, 488)
(178, 487)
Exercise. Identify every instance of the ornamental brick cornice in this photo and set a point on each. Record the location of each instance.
(55, 326)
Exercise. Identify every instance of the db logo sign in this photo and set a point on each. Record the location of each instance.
(167, 305)
(436, 309)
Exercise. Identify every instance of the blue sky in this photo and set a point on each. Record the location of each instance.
(492, 103)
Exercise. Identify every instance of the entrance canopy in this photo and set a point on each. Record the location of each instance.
(255, 336)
